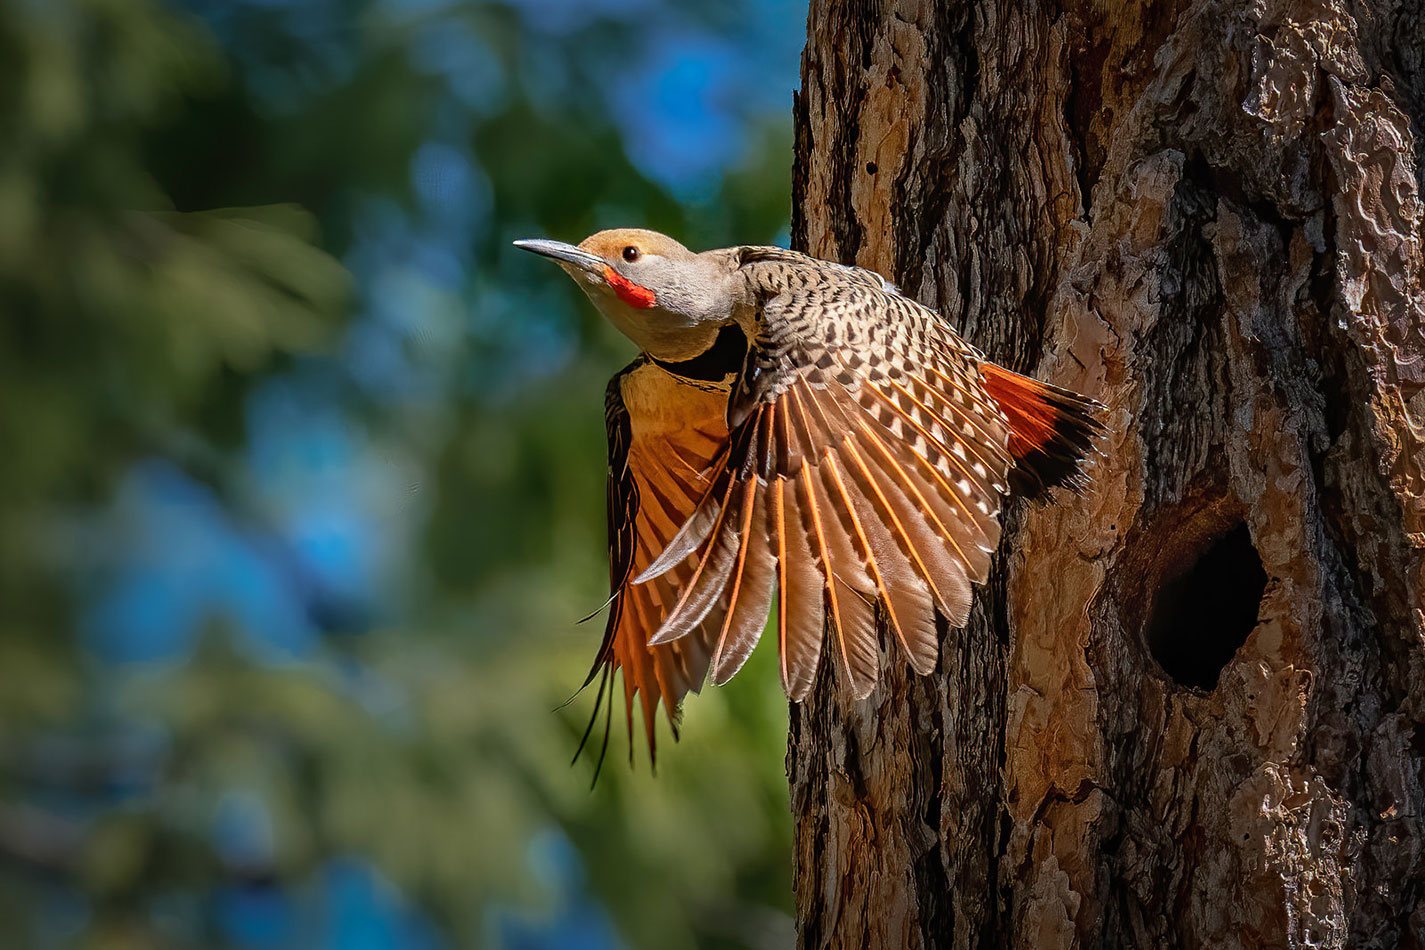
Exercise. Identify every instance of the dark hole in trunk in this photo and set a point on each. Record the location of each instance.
(1203, 616)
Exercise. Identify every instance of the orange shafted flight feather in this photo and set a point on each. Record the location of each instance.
(798, 428)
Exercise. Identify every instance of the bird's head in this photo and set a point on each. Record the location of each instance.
(658, 293)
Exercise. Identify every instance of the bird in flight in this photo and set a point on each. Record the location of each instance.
(796, 427)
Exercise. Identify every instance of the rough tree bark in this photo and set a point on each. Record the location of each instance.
(1190, 709)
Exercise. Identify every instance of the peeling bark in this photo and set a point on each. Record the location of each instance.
(1207, 215)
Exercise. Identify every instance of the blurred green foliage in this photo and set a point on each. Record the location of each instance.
(186, 201)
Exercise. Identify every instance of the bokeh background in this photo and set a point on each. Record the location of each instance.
(302, 478)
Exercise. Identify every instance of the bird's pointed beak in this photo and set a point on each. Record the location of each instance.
(564, 253)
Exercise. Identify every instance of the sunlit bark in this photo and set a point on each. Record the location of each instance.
(1189, 709)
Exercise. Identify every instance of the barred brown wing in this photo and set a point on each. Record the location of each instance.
(865, 467)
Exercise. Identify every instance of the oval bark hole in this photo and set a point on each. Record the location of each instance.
(1202, 616)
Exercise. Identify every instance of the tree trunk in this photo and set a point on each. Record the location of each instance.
(1189, 709)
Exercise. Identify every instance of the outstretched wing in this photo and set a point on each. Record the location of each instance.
(855, 460)
(666, 437)
(865, 465)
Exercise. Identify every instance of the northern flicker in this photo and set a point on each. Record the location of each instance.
(798, 426)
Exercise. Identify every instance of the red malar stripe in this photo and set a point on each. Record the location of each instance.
(629, 292)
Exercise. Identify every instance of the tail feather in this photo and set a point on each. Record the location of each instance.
(1052, 431)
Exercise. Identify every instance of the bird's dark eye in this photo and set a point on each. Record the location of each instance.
(631, 253)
